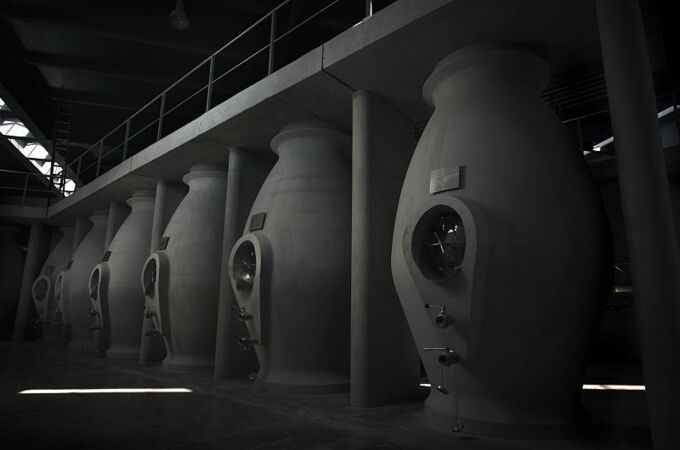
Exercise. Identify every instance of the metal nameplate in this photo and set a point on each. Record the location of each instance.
(257, 222)
(107, 255)
(446, 179)
(164, 243)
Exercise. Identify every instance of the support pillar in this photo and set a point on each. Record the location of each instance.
(82, 226)
(118, 212)
(650, 233)
(38, 247)
(384, 360)
(168, 196)
(246, 174)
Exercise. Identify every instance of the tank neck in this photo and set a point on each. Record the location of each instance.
(205, 171)
(67, 231)
(486, 64)
(141, 199)
(297, 138)
(99, 217)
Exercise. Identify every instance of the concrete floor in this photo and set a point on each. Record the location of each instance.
(237, 415)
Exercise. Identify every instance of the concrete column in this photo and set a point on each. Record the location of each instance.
(118, 212)
(82, 226)
(55, 237)
(168, 196)
(385, 364)
(645, 195)
(247, 172)
(38, 247)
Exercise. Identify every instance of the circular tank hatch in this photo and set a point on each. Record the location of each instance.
(40, 289)
(150, 278)
(439, 243)
(245, 266)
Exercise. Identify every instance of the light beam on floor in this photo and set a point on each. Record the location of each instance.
(108, 391)
(596, 387)
(613, 387)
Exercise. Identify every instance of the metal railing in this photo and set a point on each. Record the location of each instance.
(23, 186)
(161, 110)
(663, 101)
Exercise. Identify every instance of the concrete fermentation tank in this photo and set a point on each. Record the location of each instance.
(11, 272)
(181, 279)
(116, 298)
(74, 284)
(43, 290)
(291, 270)
(500, 250)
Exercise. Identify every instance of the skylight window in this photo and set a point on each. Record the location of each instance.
(16, 132)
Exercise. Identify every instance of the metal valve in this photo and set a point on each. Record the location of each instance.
(247, 343)
(243, 315)
(446, 357)
(443, 319)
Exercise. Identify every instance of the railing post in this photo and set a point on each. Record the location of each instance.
(580, 134)
(160, 118)
(211, 76)
(272, 38)
(675, 113)
(99, 157)
(127, 136)
(369, 9)
(23, 197)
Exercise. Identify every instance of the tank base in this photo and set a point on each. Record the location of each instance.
(64, 335)
(122, 352)
(100, 342)
(202, 368)
(53, 334)
(465, 426)
(152, 351)
(188, 363)
(80, 344)
(304, 388)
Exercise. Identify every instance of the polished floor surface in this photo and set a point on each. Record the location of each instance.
(235, 415)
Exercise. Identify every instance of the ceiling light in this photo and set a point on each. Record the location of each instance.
(178, 17)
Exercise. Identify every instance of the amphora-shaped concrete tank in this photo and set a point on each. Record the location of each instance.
(291, 270)
(43, 290)
(73, 287)
(11, 272)
(116, 298)
(181, 279)
(499, 250)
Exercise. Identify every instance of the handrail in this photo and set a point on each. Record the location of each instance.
(25, 189)
(212, 79)
(672, 96)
